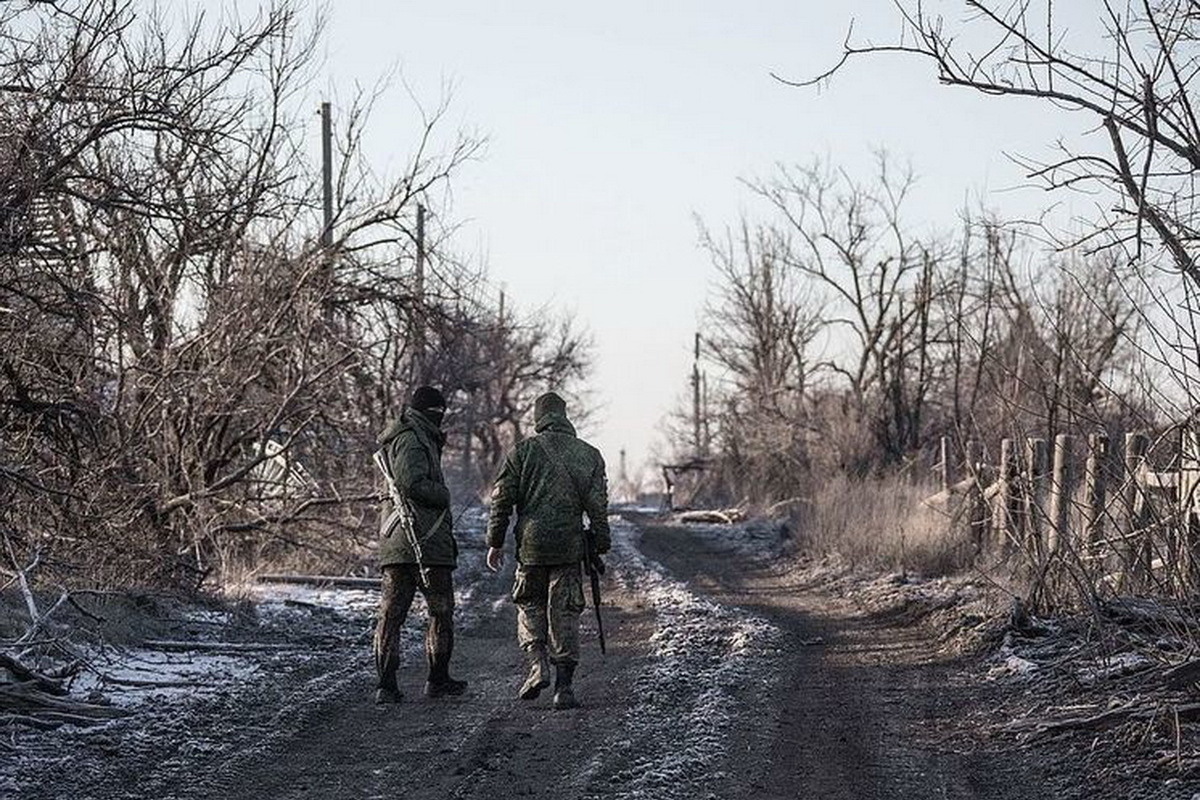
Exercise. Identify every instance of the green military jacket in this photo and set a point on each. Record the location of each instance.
(552, 480)
(412, 446)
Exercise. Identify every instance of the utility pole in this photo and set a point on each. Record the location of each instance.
(327, 197)
(623, 488)
(327, 176)
(419, 301)
(696, 423)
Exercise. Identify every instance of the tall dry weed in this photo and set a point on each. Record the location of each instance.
(882, 522)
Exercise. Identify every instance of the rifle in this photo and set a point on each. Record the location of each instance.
(594, 566)
(403, 514)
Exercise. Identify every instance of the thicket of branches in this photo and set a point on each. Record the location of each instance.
(845, 343)
(851, 344)
(1127, 74)
(188, 374)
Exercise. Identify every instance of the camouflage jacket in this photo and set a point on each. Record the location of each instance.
(413, 447)
(552, 479)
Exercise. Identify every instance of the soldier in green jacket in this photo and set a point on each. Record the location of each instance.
(417, 548)
(552, 479)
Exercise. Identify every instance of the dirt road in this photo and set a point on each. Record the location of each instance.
(862, 707)
(726, 677)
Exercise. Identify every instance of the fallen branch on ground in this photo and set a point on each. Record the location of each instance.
(50, 720)
(25, 697)
(1142, 611)
(137, 683)
(216, 647)
(28, 722)
(1129, 711)
(25, 674)
(341, 582)
(1182, 675)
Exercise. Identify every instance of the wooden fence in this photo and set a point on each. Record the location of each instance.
(1116, 519)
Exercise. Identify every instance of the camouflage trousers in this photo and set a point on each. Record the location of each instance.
(549, 601)
(399, 587)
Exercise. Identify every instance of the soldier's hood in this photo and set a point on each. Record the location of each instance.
(555, 422)
(411, 419)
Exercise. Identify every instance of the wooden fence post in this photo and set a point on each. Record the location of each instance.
(1036, 461)
(1095, 487)
(944, 469)
(1008, 512)
(1189, 493)
(1136, 552)
(1062, 483)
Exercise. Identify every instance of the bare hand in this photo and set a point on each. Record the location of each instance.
(495, 558)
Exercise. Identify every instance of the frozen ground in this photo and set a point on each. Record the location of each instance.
(731, 673)
(700, 654)
(253, 679)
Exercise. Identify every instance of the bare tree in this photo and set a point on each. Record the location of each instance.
(979, 337)
(848, 241)
(761, 325)
(1029, 342)
(173, 331)
(523, 355)
(1134, 80)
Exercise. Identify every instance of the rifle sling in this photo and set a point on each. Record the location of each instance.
(562, 465)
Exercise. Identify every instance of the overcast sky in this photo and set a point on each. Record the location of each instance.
(612, 125)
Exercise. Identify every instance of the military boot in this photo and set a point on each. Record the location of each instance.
(539, 674)
(564, 695)
(439, 682)
(386, 695)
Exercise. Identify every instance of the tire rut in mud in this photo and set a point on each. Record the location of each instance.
(859, 707)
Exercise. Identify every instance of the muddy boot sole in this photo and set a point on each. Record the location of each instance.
(538, 680)
(531, 691)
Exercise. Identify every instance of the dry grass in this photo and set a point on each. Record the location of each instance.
(881, 522)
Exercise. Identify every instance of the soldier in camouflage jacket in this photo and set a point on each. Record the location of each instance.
(417, 550)
(552, 480)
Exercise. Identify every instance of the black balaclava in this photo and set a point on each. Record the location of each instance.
(430, 402)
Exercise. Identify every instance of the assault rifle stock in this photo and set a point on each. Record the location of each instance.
(402, 513)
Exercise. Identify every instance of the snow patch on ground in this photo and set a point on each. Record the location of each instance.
(1114, 666)
(701, 653)
(280, 603)
(222, 686)
(295, 646)
(1013, 667)
(130, 678)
